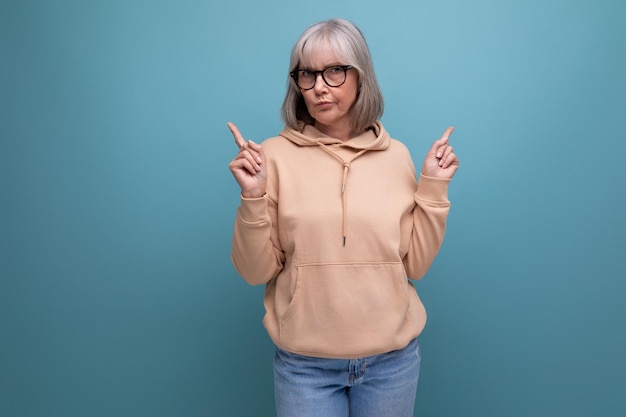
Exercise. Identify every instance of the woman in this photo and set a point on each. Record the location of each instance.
(333, 221)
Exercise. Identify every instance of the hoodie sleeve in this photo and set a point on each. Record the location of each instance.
(256, 253)
(429, 225)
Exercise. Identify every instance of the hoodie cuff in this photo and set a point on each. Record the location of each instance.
(253, 210)
(433, 189)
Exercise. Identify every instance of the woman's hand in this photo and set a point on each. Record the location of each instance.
(441, 161)
(248, 166)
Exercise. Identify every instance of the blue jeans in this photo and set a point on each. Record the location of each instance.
(375, 386)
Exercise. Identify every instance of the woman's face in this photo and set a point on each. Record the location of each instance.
(330, 106)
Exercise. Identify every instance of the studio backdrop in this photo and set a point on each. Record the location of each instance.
(117, 294)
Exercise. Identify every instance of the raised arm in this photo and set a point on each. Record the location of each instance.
(256, 252)
(432, 206)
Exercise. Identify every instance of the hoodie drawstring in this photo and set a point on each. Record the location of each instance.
(344, 180)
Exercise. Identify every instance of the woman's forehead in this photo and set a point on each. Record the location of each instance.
(320, 54)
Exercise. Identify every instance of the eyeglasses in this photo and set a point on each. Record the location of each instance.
(333, 76)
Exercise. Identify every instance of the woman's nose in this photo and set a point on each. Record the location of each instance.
(320, 84)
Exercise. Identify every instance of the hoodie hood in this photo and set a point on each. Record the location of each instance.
(346, 152)
(375, 138)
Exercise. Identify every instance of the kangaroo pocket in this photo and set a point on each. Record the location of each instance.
(339, 308)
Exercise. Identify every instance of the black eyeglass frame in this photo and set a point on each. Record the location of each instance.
(345, 68)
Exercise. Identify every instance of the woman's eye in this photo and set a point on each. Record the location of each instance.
(335, 70)
(307, 73)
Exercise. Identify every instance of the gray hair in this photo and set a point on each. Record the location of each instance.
(348, 43)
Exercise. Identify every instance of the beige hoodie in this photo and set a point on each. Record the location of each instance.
(341, 228)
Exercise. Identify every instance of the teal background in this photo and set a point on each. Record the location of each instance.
(117, 295)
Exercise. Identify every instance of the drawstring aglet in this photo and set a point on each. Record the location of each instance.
(344, 241)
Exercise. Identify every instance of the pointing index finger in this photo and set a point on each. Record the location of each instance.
(442, 141)
(447, 133)
(239, 140)
(440, 144)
